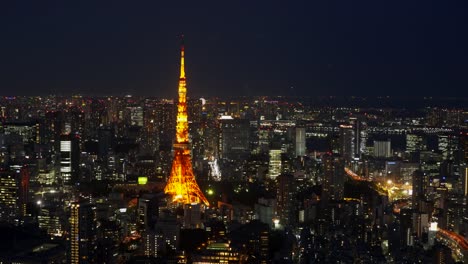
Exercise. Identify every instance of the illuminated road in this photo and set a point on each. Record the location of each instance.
(461, 241)
(456, 243)
(393, 190)
(397, 205)
(353, 175)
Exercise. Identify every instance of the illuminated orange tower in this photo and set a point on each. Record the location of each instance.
(182, 185)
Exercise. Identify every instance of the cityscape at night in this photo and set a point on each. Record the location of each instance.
(250, 133)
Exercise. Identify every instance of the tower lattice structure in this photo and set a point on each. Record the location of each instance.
(182, 185)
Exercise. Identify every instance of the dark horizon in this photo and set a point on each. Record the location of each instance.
(235, 49)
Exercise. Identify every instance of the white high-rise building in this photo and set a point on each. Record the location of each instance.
(382, 149)
(65, 160)
(300, 147)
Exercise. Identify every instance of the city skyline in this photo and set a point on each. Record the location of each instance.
(282, 180)
(301, 132)
(235, 49)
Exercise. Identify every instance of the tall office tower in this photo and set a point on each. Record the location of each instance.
(274, 168)
(165, 121)
(360, 136)
(418, 189)
(333, 177)
(83, 238)
(150, 135)
(77, 120)
(464, 146)
(234, 138)
(105, 140)
(464, 180)
(9, 190)
(23, 193)
(53, 123)
(300, 147)
(181, 184)
(382, 149)
(362, 139)
(69, 158)
(285, 207)
(347, 142)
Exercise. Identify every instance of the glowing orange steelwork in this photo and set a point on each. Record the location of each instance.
(182, 185)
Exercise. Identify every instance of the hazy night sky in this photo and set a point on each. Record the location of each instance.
(252, 47)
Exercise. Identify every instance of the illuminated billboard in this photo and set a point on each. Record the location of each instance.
(142, 180)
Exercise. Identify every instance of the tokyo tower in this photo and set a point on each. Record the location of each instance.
(182, 185)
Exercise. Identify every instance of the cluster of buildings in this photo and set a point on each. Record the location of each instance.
(302, 181)
(240, 180)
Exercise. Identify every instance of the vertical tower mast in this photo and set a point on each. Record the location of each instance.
(182, 119)
(181, 184)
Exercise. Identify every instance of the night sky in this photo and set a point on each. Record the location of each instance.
(236, 47)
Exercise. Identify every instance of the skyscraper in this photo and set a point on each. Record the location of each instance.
(285, 196)
(333, 178)
(419, 187)
(65, 160)
(300, 138)
(9, 190)
(82, 243)
(181, 184)
(69, 158)
(347, 142)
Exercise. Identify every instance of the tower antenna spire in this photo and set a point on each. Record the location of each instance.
(182, 57)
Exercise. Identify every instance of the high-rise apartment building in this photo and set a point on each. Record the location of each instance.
(285, 198)
(333, 177)
(347, 142)
(83, 236)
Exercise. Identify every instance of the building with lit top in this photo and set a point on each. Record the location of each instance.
(218, 252)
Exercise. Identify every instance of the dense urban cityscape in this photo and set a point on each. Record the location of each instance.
(236, 132)
(128, 179)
